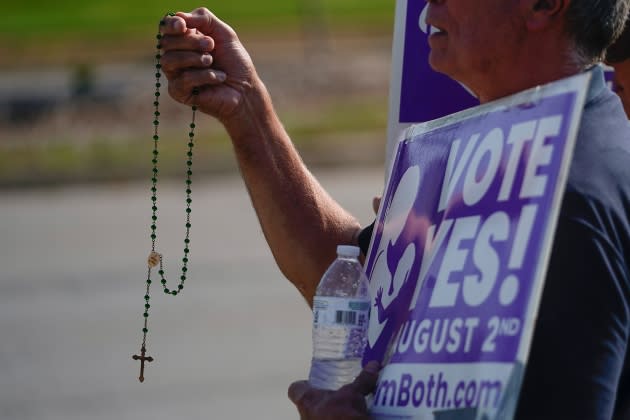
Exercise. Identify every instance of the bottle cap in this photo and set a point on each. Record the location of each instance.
(348, 251)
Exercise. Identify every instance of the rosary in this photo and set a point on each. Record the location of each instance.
(155, 259)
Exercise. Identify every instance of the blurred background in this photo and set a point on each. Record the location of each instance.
(76, 92)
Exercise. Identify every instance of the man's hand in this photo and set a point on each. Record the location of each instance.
(348, 402)
(202, 52)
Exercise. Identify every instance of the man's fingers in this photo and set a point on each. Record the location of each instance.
(365, 383)
(173, 25)
(208, 23)
(297, 390)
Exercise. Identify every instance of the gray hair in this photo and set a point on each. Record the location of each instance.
(595, 25)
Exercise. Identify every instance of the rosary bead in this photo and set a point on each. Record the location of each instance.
(189, 172)
(188, 210)
(157, 93)
(145, 330)
(153, 236)
(158, 75)
(154, 198)
(187, 241)
(189, 162)
(146, 314)
(180, 287)
(188, 181)
(188, 226)
(186, 250)
(153, 227)
(161, 272)
(191, 144)
(154, 218)
(184, 269)
(147, 306)
(192, 125)
(163, 281)
(156, 122)
(158, 66)
(159, 36)
(185, 259)
(158, 46)
(154, 161)
(189, 200)
(174, 293)
(167, 291)
(154, 208)
(162, 22)
(156, 103)
(155, 152)
(194, 107)
(189, 154)
(156, 137)
(149, 281)
(158, 56)
(183, 278)
(155, 170)
(147, 297)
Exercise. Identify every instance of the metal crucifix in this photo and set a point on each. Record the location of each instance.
(142, 358)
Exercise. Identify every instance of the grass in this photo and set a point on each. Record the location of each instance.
(69, 28)
(345, 132)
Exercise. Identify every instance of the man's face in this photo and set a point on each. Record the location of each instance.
(621, 83)
(477, 39)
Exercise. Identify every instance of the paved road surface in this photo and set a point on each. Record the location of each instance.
(72, 272)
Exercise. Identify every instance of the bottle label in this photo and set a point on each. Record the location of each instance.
(339, 326)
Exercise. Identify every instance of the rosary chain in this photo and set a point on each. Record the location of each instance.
(154, 180)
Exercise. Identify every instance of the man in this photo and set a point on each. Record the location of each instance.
(496, 48)
(618, 56)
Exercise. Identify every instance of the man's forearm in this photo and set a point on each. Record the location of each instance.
(301, 222)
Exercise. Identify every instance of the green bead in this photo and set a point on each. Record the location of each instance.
(191, 134)
(162, 22)
(147, 306)
(146, 314)
(158, 46)
(147, 297)
(158, 66)
(161, 272)
(153, 236)
(188, 210)
(188, 225)
(194, 107)
(187, 240)
(189, 172)
(159, 36)
(188, 190)
(189, 154)
(184, 269)
(189, 162)
(156, 137)
(149, 282)
(189, 200)
(186, 250)
(158, 75)
(167, 291)
(153, 227)
(155, 153)
(154, 218)
(156, 103)
(180, 287)
(157, 93)
(145, 330)
(185, 259)
(158, 56)
(188, 181)
(174, 292)
(183, 278)
(157, 113)
(155, 170)
(154, 208)
(163, 281)
(192, 125)
(191, 144)
(154, 161)
(171, 13)
(156, 122)
(154, 198)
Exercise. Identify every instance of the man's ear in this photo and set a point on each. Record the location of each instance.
(540, 14)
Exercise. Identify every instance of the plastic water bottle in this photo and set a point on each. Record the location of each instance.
(341, 309)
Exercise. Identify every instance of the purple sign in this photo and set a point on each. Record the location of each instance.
(457, 258)
(425, 94)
